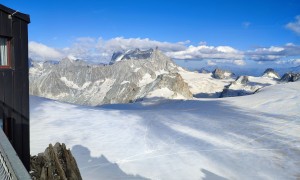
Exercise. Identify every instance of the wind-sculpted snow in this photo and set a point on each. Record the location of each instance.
(75, 81)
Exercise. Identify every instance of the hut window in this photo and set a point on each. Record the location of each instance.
(4, 52)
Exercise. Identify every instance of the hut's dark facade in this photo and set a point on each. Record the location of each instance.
(14, 82)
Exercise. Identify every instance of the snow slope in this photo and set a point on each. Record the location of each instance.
(248, 137)
(203, 84)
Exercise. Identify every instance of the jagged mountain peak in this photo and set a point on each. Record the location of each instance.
(271, 73)
(72, 81)
(135, 54)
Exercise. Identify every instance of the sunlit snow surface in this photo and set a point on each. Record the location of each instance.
(249, 137)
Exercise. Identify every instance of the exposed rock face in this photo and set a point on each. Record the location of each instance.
(170, 82)
(242, 80)
(131, 54)
(175, 81)
(222, 74)
(125, 81)
(56, 163)
(240, 87)
(271, 73)
(290, 77)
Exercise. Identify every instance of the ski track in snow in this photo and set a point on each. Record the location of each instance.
(249, 137)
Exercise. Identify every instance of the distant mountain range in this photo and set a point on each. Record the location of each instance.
(131, 76)
(135, 75)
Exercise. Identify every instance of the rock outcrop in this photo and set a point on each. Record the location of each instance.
(169, 83)
(290, 77)
(56, 163)
(240, 87)
(242, 80)
(222, 74)
(246, 85)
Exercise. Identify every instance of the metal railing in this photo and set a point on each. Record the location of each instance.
(11, 167)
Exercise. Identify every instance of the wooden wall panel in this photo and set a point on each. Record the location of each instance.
(8, 88)
(2, 85)
(5, 28)
(14, 83)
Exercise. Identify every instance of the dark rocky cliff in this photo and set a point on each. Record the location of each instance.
(56, 163)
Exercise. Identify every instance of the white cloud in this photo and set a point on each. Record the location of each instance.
(214, 62)
(145, 44)
(260, 62)
(290, 44)
(84, 48)
(121, 43)
(202, 43)
(294, 26)
(211, 63)
(289, 61)
(246, 25)
(273, 53)
(40, 51)
(207, 52)
(270, 49)
(100, 50)
(296, 62)
(239, 62)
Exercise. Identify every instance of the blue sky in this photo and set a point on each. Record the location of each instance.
(245, 25)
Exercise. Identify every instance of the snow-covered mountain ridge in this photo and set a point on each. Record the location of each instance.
(134, 75)
(122, 82)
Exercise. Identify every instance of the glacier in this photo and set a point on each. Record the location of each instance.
(246, 137)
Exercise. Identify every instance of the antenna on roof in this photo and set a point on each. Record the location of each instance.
(15, 12)
(11, 15)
